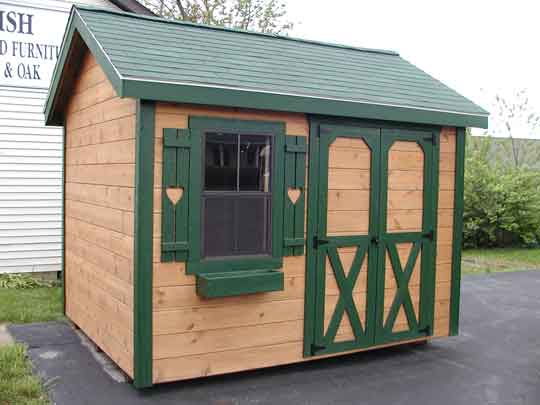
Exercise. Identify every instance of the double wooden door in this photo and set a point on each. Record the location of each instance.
(372, 220)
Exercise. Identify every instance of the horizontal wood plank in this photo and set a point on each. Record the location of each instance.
(296, 124)
(181, 368)
(114, 242)
(112, 152)
(118, 266)
(102, 133)
(104, 217)
(122, 174)
(115, 197)
(106, 111)
(185, 296)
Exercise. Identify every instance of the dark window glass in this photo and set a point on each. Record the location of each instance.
(218, 223)
(254, 161)
(221, 153)
(252, 225)
(236, 225)
(236, 199)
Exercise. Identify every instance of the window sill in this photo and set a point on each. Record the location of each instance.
(232, 264)
(232, 283)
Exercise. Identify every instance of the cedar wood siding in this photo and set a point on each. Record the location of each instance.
(99, 205)
(445, 222)
(195, 337)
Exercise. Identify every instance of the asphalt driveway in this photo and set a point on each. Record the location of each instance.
(495, 360)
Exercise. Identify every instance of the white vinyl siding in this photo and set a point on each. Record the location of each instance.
(31, 170)
(30, 184)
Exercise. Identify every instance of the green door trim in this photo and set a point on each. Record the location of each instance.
(430, 139)
(311, 259)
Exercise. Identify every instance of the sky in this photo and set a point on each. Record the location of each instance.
(479, 48)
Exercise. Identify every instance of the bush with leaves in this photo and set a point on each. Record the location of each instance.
(502, 204)
(22, 281)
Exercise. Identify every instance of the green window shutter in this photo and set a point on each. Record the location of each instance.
(294, 186)
(175, 194)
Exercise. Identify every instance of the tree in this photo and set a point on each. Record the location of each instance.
(266, 16)
(515, 118)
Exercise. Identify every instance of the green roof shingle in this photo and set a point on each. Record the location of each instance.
(159, 59)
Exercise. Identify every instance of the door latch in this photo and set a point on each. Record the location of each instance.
(429, 235)
(319, 241)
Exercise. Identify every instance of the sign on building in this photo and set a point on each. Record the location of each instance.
(29, 45)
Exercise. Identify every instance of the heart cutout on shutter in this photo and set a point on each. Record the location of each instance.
(294, 194)
(175, 194)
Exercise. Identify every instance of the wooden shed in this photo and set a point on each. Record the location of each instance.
(235, 200)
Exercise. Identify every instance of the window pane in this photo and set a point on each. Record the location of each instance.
(221, 152)
(218, 226)
(255, 163)
(252, 225)
(236, 224)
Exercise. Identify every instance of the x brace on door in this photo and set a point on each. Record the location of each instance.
(402, 296)
(346, 285)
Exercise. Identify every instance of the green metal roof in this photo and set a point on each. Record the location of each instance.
(157, 59)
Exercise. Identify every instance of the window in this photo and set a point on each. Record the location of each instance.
(234, 212)
(237, 195)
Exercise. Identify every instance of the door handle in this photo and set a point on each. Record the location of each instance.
(429, 235)
(319, 241)
(375, 240)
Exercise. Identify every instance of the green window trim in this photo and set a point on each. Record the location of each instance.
(183, 168)
(198, 126)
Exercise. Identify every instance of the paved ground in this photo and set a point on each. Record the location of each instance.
(495, 360)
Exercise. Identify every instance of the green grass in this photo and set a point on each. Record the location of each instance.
(17, 383)
(30, 305)
(500, 260)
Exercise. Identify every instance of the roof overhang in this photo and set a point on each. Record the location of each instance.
(78, 37)
(248, 98)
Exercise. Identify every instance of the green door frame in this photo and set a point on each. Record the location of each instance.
(322, 133)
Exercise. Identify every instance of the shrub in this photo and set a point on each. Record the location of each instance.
(21, 281)
(502, 204)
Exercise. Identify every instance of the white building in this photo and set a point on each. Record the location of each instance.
(31, 154)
